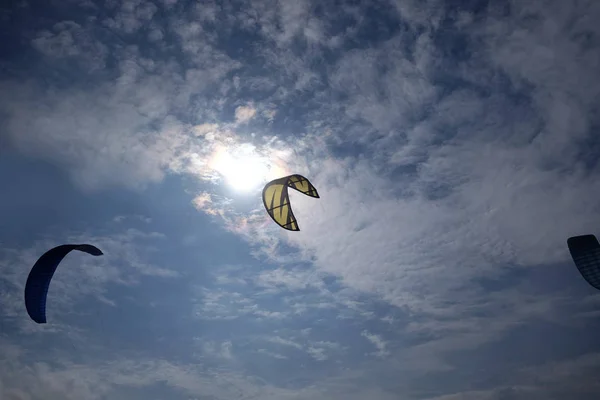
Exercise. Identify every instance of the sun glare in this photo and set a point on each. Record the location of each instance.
(242, 168)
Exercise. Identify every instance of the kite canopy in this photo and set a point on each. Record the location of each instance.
(585, 251)
(38, 281)
(277, 201)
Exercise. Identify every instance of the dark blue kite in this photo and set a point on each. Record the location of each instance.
(585, 251)
(38, 281)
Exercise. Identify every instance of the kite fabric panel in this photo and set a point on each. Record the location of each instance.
(38, 281)
(277, 201)
(585, 251)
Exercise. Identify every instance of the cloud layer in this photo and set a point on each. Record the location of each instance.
(454, 150)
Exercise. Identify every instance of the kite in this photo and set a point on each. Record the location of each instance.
(38, 281)
(585, 251)
(277, 201)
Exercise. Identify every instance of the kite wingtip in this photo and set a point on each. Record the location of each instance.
(38, 321)
(582, 241)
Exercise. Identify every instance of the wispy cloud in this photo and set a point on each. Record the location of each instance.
(222, 350)
(70, 41)
(272, 354)
(454, 151)
(285, 342)
(378, 342)
(244, 114)
(318, 350)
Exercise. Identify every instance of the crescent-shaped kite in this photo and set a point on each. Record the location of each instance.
(585, 251)
(277, 201)
(38, 281)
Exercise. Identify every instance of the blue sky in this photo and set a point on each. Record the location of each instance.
(454, 147)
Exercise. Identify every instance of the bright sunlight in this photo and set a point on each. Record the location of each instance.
(242, 168)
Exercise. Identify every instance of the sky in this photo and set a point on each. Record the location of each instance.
(454, 146)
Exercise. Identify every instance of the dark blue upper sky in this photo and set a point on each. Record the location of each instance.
(454, 147)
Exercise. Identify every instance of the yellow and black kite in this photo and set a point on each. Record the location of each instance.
(277, 201)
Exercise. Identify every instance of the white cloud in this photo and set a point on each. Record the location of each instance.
(244, 114)
(272, 354)
(221, 350)
(317, 353)
(378, 342)
(285, 342)
(100, 138)
(291, 279)
(120, 132)
(450, 186)
(131, 16)
(70, 40)
(318, 350)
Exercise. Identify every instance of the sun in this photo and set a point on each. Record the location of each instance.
(241, 167)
